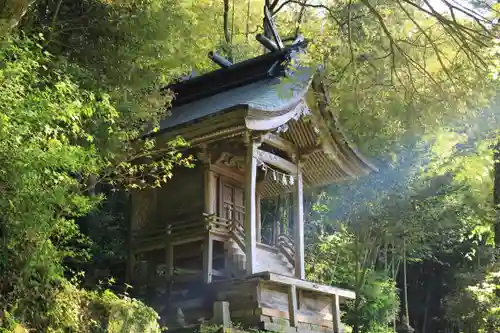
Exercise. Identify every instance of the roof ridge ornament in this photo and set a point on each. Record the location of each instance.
(270, 39)
(219, 60)
(270, 28)
(267, 43)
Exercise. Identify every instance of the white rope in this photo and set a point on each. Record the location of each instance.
(275, 175)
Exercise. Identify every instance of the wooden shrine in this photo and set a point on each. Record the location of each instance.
(258, 129)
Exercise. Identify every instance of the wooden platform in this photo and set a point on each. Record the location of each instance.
(272, 302)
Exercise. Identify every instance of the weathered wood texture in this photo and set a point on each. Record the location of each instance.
(143, 209)
(250, 207)
(210, 186)
(231, 200)
(148, 270)
(269, 259)
(179, 199)
(290, 306)
(172, 211)
(307, 285)
(271, 305)
(242, 295)
(182, 197)
(298, 214)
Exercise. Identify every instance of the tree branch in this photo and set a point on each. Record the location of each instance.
(227, 35)
(430, 40)
(303, 4)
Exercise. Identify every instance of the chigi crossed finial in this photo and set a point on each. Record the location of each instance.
(270, 39)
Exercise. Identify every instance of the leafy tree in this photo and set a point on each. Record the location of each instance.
(336, 260)
(55, 137)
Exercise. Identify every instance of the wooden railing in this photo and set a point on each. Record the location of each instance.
(182, 229)
(286, 245)
(237, 234)
(217, 224)
(145, 240)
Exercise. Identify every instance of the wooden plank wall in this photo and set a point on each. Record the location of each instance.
(265, 305)
(314, 310)
(179, 199)
(143, 209)
(243, 298)
(182, 197)
(270, 306)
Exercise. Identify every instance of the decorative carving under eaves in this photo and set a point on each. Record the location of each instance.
(203, 154)
(231, 161)
(301, 109)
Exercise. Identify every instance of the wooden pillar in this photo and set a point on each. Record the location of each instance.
(209, 194)
(207, 258)
(292, 305)
(336, 314)
(250, 207)
(210, 188)
(298, 212)
(130, 266)
(258, 214)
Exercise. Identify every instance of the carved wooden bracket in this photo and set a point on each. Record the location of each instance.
(231, 161)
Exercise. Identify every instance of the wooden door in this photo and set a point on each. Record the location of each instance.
(232, 202)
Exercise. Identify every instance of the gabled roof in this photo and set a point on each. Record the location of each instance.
(269, 94)
(252, 84)
(273, 96)
(271, 64)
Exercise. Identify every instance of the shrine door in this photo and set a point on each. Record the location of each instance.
(232, 202)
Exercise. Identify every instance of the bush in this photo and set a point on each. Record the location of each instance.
(476, 308)
(55, 137)
(78, 310)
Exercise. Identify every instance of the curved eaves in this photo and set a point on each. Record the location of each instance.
(285, 102)
(358, 164)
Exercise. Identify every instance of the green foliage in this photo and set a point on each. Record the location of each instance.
(55, 137)
(476, 307)
(72, 309)
(7, 323)
(396, 75)
(341, 260)
(486, 296)
(439, 202)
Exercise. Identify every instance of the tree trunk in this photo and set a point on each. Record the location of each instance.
(393, 269)
(496, 193)
(227, 35)
(405, 286)
(357, 303)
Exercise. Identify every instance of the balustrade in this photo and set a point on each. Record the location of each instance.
(189, 229)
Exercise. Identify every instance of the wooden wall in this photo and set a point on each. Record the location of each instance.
(149, 270)
(242, 296)
(314, 310)
(265, 305)
(181, 198)
(143, 209)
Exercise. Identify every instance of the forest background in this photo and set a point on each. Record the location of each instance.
(413, 83)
